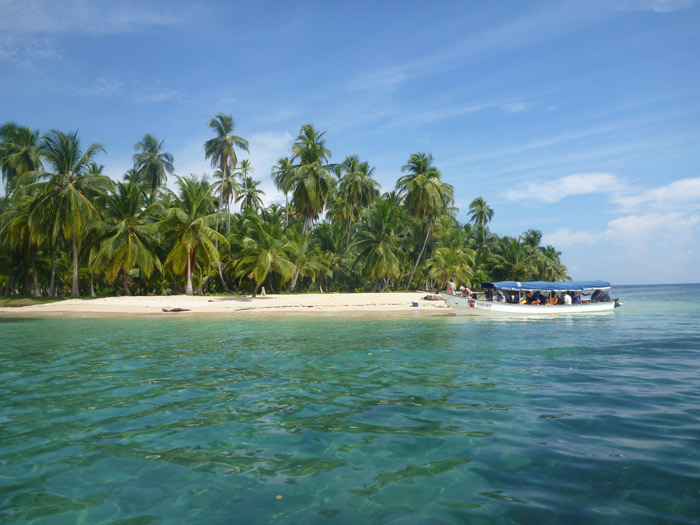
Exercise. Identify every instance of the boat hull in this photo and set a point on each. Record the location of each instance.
(482, 308)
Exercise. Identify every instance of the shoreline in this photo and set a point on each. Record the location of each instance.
(327, 304)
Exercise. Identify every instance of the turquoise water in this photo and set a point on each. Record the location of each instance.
(314, 420)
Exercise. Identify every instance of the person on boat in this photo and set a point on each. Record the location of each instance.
(577, 298)
(529, 298)
(500, 298)
(567, 298)
(553, 299)
(466, 292)
(489, 294)
(451, 286)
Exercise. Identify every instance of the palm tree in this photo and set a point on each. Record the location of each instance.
(249, 194)
(308, 260)
(152, 164)
(480, 212)
(64, 197)
(356, 191)
(222, 149)
(190, 221)
(378, 244)
(515, 259)
(265, 249)
(283, 174)
(425, 195)
(313, 182)
(19, 153)
(126, 230)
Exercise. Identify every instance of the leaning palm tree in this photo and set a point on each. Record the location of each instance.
(314, 183)
(128, 241)
(190, 222)
(152, 164)
(425, 195)
(64, 196)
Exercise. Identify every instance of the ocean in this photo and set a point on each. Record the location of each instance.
(292, 419)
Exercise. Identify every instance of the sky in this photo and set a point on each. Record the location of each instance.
(577, 118)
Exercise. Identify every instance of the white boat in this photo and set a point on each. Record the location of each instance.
(508, 299)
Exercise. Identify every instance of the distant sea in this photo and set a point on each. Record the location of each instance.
(359, 420)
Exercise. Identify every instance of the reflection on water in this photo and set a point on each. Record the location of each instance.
(298, 420)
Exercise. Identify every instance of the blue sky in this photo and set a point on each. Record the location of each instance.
(577, 118)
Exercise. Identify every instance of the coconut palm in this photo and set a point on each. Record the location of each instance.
(265, 249)
(378, 244)
(425, 195)
(308, 260)
(283, 174)
(125, 228)
(222, 149)
(190, 221)
(356, 190)
(19, 153)
(152, 164)
(313, 181)
(480, 212)
(515, 260)
(249, 194)
(64, 196)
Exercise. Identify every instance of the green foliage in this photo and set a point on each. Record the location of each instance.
(64, 225)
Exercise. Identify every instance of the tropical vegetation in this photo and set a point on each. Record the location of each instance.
(67, 228)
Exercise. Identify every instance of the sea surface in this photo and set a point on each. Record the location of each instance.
(357, 420)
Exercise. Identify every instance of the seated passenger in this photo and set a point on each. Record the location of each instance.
(567, 298)
(529, 298)
(553, 299)
(577, 298)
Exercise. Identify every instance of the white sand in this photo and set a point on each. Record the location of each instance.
(369, 304)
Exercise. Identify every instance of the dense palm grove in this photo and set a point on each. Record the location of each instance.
(66, 228)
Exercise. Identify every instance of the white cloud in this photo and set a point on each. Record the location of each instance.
(565, 237)
(557, 189)
(682, 194)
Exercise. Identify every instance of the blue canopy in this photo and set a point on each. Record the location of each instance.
(546, 286)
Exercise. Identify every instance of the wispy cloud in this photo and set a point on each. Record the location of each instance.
(517, 107)
(30, 30)
(557, 189)
(659, 6)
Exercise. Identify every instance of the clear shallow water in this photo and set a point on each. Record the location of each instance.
(328, 420)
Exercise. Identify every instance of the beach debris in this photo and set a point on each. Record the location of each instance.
(432, 297)
(176, 309)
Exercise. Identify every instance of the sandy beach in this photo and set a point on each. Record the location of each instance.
(396, 304)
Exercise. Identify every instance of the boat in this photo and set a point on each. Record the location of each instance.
(514, 298)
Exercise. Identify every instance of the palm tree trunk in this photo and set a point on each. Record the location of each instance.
(294, 281)
(37, 292)
(286, 207)
(75, 292)
(52, 284)
(126, 283)
(425, 242)
(92, 285)
(188, 287)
